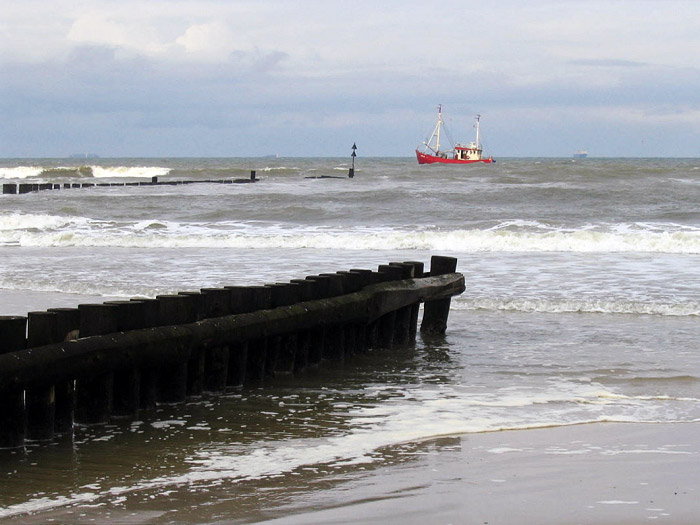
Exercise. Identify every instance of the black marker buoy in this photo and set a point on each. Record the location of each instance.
(351, 174)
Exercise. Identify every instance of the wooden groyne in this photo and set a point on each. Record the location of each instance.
(11, 188)
(89, 364)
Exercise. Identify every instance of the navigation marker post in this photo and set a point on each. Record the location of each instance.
(351, 174)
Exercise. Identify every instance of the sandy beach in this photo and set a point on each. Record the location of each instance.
(594, 473)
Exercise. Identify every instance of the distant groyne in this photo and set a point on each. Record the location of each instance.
(11, 188)
(90, 364)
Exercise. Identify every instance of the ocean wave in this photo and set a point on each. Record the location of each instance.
(20, 172)
(19, 222)
(53, 172)
(577, 305)
(129, 171)
(31, 230)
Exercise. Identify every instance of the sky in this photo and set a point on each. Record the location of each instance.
(229, 78)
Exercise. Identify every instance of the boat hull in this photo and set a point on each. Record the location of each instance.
(424, 158)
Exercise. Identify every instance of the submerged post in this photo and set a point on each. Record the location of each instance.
(435, 312)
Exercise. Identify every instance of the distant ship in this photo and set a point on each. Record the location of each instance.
(459, 154)
(580, 154)
(84, 156)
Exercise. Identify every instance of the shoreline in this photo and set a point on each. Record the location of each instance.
(589, 473)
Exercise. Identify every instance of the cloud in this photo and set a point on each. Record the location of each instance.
(212, 41)
(99, 28)
(606, 62)
(240, 71)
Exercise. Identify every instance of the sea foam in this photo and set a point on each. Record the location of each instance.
(249, 236)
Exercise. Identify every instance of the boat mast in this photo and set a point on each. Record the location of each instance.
(478, 145)
(437, 128)
(435, 135)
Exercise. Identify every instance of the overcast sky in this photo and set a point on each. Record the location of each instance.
(308, 78)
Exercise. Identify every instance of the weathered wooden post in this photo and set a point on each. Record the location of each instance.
(387, 322)
(172, 377)
(418, 269)
(126, 394)
(435, 313)
(261, 298)
(241, 298)
(13, 331)
(150, 312)
(93, 404)
(352, 282)
(40, 402)
(335, 348)
(317, 337)
(282, 349)
(216, 303)
(402, 322)
(196, 363)
(333, 341)
(361, 335)
(67, 329)
(9, 189)
(305, 293)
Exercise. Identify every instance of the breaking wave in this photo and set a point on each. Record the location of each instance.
(49, 230)
(39, 172)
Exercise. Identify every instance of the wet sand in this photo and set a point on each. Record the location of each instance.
(19, 302)
(590, 474)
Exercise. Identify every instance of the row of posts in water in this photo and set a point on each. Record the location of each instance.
(96, 362)
(11, 188)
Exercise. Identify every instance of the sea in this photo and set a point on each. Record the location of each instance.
(582, 306)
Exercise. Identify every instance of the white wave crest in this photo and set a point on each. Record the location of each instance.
(20, 172)
(577, 305)
(129, 171)
(463, 241)
(33, 222)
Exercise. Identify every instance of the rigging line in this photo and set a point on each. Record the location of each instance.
(449, 135)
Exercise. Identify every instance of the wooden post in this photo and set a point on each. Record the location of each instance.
(352, 282)
(93, 404)
(172, 378)
(241, 300)
(364, 278)
(197, 361)
(317, 336)
(216, 303)
(435, 312)
(304, 338)
(282, 349)
(41, 401)
(336, 340)
(418, 268)
(260, 299)
(126, 393)
(402, 324)
(13, 331)
(330, 285)
(67, 329)
(387, 323)
(149, 375)
(9, 189)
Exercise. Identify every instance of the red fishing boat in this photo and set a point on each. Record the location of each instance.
(469, 154)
